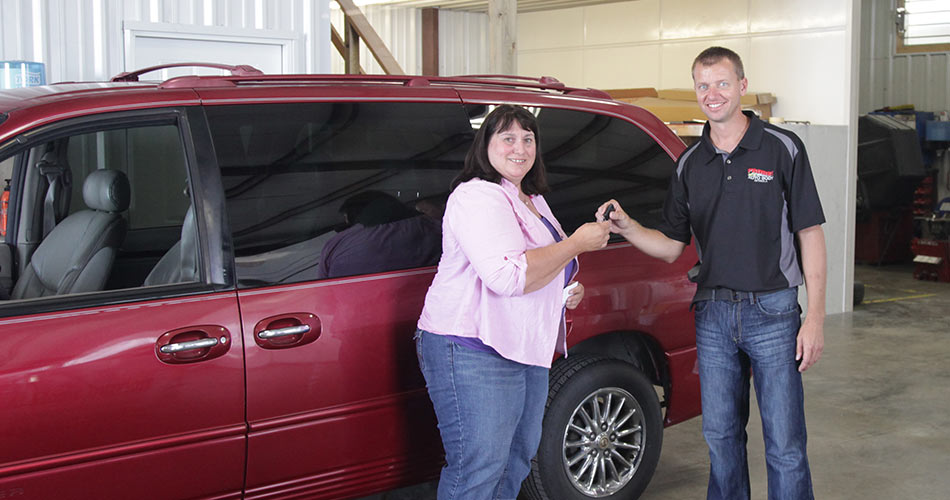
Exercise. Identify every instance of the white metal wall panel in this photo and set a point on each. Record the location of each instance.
(891, 79)
(84, 39)
(651, 43)
(463, 43)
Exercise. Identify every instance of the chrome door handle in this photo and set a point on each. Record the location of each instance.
(283, 332)
(189, 346)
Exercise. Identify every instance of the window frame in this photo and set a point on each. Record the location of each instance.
(903, 48)
(202, 195)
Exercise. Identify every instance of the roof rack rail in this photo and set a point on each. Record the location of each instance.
(239, 70)
(542, 83)
(544, 80)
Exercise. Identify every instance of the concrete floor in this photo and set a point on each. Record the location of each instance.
(877, 405)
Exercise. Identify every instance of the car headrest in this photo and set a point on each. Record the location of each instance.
(106, 190)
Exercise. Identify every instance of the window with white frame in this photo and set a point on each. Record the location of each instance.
(923, 25)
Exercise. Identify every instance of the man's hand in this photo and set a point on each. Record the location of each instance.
(811, 343)
(647, 240)
(619, 220)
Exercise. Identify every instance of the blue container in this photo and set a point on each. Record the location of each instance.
(15, 74)
(938, 131)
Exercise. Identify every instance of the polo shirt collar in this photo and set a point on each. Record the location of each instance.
(751, 140)
(509, 187)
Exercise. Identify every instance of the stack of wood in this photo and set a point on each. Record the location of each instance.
(679, 105)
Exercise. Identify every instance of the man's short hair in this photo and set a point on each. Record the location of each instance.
(713, 55)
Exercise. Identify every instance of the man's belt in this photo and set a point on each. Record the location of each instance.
(730, 295)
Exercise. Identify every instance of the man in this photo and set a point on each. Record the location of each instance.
(381, 234)
(746, 191)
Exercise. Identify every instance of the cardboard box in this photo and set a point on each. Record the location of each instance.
(679, 105)
(621, 94)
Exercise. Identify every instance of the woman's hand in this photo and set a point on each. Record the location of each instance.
(591, 236)
(574, 296)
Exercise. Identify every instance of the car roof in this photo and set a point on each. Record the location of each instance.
(14, 99)
(29, 107)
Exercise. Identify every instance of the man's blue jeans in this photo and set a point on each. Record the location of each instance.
(733, 337)
(489, 410)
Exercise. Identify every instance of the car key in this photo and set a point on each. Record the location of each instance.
(606, 216)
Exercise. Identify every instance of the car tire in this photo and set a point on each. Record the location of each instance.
(628, 442)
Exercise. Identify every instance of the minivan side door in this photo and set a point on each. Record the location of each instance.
(132, 390)
(335, 211)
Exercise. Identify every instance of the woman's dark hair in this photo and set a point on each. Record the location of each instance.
(476, 161)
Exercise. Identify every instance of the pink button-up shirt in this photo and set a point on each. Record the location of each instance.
(478, 290)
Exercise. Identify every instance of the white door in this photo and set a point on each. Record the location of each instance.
(153, 44)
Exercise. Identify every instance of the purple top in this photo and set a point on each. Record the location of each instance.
(403, 244)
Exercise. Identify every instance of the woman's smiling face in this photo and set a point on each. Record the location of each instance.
(512, 152)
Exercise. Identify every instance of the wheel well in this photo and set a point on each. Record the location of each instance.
(636, 348)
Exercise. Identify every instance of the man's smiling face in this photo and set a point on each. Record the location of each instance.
(719, 90)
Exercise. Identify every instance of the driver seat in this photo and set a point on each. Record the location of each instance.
(77, 255)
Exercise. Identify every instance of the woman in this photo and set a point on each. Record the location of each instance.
(493, 315)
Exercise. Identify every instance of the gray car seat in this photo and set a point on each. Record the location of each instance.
(77, 255)
(180, 262)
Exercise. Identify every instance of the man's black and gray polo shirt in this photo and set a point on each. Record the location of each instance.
(744, 207)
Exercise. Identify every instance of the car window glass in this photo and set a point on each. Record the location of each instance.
(6, 174)
(120, 239)
(591, 158)
(154, 162)
(339, 189)
(324, 190)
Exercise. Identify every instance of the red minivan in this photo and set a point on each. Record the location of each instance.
(170, 328)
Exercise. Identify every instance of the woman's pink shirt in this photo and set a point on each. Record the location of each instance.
(478, 290)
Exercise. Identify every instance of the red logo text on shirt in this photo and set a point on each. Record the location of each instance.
(756, 175)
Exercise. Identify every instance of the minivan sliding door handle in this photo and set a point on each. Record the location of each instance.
(287, 330)
(283, 332)
(188, 346)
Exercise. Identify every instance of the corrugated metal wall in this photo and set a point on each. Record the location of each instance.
(891, 79)
(463, 43)
(84, 39)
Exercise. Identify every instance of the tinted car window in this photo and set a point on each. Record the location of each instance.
(293, 173)
(591, 158)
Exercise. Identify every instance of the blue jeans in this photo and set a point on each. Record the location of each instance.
(489, 410)
(736, 339)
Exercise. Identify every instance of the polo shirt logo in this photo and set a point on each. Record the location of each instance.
(756, 175)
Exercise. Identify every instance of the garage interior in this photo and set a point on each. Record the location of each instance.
(849, 77)
(876, 404)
